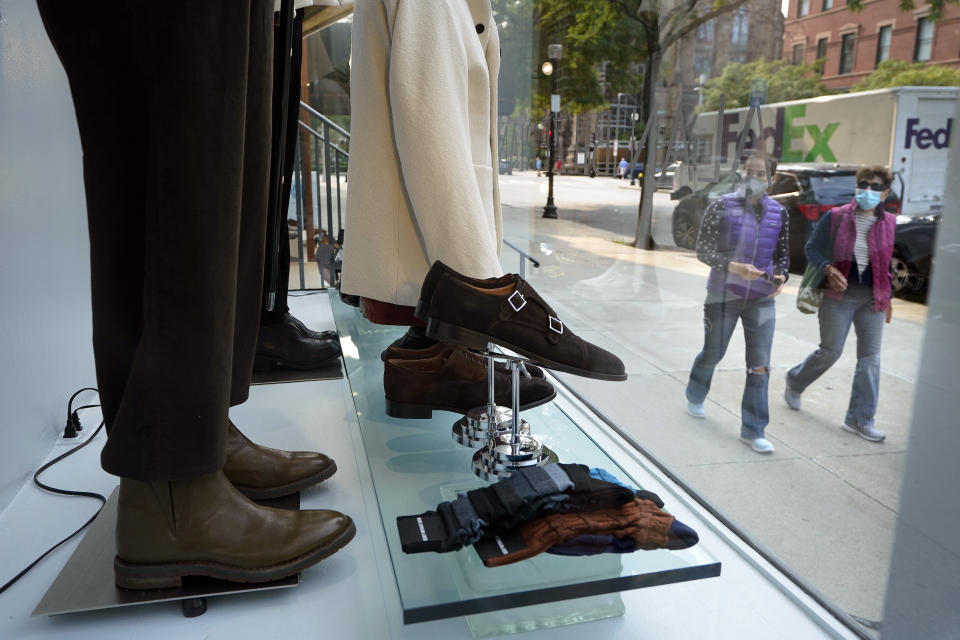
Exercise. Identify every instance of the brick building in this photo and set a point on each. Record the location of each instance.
(853, 44)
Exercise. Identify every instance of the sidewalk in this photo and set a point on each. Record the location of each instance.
(825, 501)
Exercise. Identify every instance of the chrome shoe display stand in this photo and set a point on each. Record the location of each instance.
(482, 424)
(507, 449)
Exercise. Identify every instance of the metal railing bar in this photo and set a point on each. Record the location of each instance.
(298, 184)
(326, 175)
(536, 263)
(336, 160)
(323, 118)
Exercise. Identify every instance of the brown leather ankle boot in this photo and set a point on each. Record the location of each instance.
(168, 530)
(262, 473)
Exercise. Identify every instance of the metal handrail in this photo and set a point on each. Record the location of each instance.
(324, 119)
(524, 256)
(330, 167)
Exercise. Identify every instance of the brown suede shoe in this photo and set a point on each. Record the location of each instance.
(169, 530)
(516, 317)
(453, 380)
(284, 345)
(394, 352)
(432, 279)
(261, 473)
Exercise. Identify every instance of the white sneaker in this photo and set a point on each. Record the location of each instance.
(760, 445)
(791, 396)
(696, 410)
(867, 432)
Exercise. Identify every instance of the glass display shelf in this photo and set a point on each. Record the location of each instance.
(416, 464)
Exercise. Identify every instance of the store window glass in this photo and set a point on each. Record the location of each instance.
(883, 43)
(847, 42)
(921, 52)
(824, 500)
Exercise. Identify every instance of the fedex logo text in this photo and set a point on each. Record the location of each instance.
(925, 138)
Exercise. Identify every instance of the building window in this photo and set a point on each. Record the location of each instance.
(883, 43)
(846, 53)
(827, 5)
(738, 32)
(803, 9)
(705, 31)
(798, 54)
(821, 48)
(921, 52)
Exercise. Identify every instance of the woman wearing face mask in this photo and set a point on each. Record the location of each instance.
(857, 291)
(744, 240)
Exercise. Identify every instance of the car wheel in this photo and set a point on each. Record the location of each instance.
(684, 230)
(904, 275)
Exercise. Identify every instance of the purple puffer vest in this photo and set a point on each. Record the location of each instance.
(745, 239)
(843, 228)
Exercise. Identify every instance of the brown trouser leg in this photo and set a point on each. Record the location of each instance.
(173, 107)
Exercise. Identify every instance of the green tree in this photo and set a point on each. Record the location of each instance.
(784, 82)
(897, 73)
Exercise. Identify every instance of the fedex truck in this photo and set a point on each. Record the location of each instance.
(906, 129)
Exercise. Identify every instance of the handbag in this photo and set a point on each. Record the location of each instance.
(810, 293)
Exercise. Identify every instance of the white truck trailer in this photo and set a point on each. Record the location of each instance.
(906, 129)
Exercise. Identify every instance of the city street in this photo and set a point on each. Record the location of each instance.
(825, 501)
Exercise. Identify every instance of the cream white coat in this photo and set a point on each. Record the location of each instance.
(423, 149)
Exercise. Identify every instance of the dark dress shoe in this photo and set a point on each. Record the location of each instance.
(309, 333)
(516, 317)
(394, 352)
(282, 344)
(262, 473)
(432, 279)
(169, 530)
(453, 380)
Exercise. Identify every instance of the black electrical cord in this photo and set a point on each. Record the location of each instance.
(64, 492)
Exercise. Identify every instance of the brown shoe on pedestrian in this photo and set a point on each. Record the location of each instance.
(453, 380)
(516, 317)
(262, 473)
(169, 530)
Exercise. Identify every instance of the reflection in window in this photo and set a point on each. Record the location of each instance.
(798, 54)
(804, 8)
(846, 53)
(738, 32)
(921, 51)
(883, 43)
(827, 5)
(821, 48)
(705, 31)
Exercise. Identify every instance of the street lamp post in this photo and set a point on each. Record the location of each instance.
(554, 52)
(633, 142)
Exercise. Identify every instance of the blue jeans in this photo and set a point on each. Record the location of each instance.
(719, 321)
(836, 316)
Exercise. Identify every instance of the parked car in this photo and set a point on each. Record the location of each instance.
(506, 167)
(808, 190)
(913, 252)
(664, 176)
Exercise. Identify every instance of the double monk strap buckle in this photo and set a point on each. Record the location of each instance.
(555, 325)
(514, 305)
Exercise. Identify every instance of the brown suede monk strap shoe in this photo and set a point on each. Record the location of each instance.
(394, 352)
(453, 380)
(169, 530)
(285, 345)
(262, 473)
(437, 271)
(516, 317)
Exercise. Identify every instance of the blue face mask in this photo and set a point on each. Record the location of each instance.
(867, 199)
